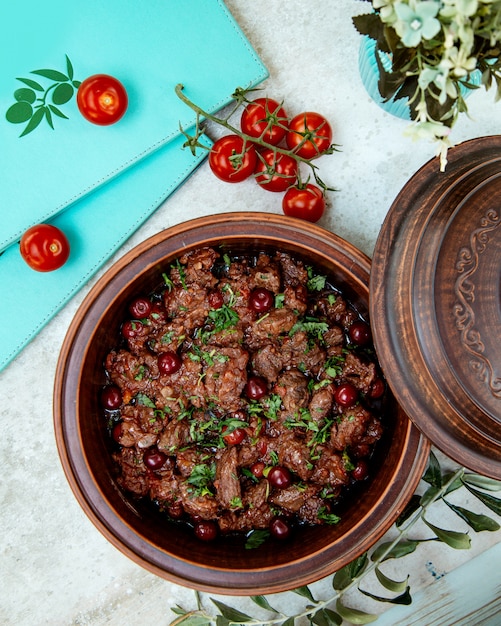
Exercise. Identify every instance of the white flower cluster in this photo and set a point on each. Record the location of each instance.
(443, 33)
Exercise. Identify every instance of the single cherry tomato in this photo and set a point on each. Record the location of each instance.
(232, 159)
(168, 363)
(261, 300)
(280, 528)
(154, 458)
(346, 395)
(206, 530)
(44, 247)
(256, 388)
(265, 118)
(360, 333)
(275, 172)
(361, 470)
(306, 203)
(234, 437)
(140, 308)
(309, 135)
(111, 397)
(279, 477)
(102, 99)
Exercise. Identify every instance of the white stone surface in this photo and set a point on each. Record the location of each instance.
(55, 567)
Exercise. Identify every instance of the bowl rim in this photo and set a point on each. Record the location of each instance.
(93, 501)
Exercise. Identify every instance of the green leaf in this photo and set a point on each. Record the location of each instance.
(476, 521)
(397, 586)
(191, 619)
(454, 539)
(19, 113)
(429, 495)
(354, 615)
(410, 509)
(57, 112)
(456, 484)
(433, 474)
(48, 117)
(76, 83)
(289, 622)
(344, 576)
(69, 67)
(263, 603)
(52, 75)
(34, 121)
(326, 617)
(234, 615)
(404, 547)
(31, 83)
(25, 95)
(476, 480)
(256, 538)
(492, 503)
(62, 93)
(305, 592)
(404, 598)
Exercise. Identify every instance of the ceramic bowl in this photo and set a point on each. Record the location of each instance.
(139, 531)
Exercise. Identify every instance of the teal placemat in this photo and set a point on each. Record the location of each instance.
(96, 226)
(149, 46)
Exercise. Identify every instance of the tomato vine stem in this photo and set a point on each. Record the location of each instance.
(239, 97)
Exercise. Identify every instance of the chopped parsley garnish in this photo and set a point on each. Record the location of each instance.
(316, 282)
(255, 538)
(143, 400)
(328, 518)
(201, 478)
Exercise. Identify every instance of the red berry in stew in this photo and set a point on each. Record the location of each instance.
(132, 328)
(361, 470)
(346, 395)
(256, 388)
(206, 530)
(168, 363)
(140, 308)
(257, 469)
(216, 299)
(234, 437)
(377, 389)
(154, 459)
(280, 528)
(360, 333)
(279, 477)
(116, 432)
(261, 300)
(111, 397)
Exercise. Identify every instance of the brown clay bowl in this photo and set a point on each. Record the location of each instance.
(223, 566)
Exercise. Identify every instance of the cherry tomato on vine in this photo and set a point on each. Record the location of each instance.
(232, 159)
(306, 202)
(309, 135)
(275, 172)
(44, 247)
(102, 99)
(265, 118)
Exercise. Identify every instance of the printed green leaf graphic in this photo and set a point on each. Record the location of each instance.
(35, 103)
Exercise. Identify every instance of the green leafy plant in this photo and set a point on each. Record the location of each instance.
(433, 48)
(35, 103)
(335, 610)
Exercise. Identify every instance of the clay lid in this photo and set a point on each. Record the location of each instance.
(436, 303)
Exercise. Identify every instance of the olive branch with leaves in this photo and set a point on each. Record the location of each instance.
(34, 102)
(333, 610)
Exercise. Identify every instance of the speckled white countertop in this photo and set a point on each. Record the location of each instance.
(55, 567)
